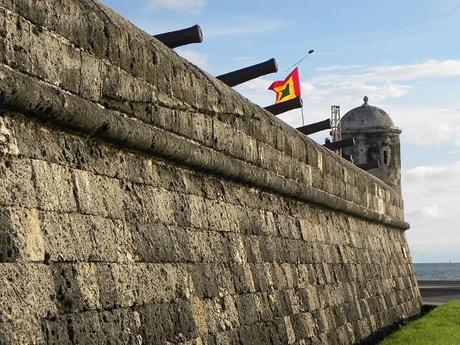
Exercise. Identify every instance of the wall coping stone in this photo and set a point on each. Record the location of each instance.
(46, 102)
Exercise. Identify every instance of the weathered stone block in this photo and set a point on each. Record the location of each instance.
(99, 195)
(17, 182)
(119, 285)
(54, 61)
(74, 237)
(146, 204)
(244, 282)
(22, 237)
(54, 186)
(56, 332)
(227, 338)
(255, 334)
(162, 282)
(24, 285)
(168, 322)
(76, 287)
(160, 243)
(91, 77)
(303, 325)
(15, 40)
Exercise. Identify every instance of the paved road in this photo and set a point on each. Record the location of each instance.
(439, 291)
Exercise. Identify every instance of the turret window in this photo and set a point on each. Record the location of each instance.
(386, 152)
(385, 158)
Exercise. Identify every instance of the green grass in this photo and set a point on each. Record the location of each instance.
(440, 326)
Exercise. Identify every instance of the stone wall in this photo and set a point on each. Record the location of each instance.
(144, 202)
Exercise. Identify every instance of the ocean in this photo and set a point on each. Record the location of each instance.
(438, 271)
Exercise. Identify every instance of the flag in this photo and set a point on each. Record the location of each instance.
(288, 88)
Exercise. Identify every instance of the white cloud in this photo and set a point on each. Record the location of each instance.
(436, 174)
(453, 152)
(195, 57)
(426, 70)
(427, 211)
(425, 126)
(345, 82)
(256, 90)
(451, 6)
(335, 68)
(246, 59)
(243, 26)
(432, 196)
(178, 5)
(432, 191)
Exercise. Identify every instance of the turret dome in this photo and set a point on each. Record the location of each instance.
(366, 117)
(377, 144)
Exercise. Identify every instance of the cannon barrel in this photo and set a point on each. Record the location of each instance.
(337, 145)
(248, 73)
(282, 107)
(182, 37)
(369, 165)
(315, 127)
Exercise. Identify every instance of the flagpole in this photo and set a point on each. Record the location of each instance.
(303, 120)
(308, 53)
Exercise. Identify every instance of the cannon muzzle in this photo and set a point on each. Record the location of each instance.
(315, 127)
(337, 145)
(248, 73)
(282, 107)
(174, 39)
(369, 165)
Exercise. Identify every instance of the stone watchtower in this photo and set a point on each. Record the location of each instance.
(376, 140)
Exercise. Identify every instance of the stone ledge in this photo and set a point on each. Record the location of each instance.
(20, 92)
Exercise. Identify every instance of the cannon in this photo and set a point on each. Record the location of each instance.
(315, 127)
(337, 145)
(369, 165)
(248, 73)
(282, 107)
(174, 39)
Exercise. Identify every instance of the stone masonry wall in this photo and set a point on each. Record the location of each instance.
(144, 202)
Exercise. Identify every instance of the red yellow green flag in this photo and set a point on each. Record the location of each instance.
(288, 88)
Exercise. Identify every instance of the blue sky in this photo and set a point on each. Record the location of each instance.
(404, 55)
